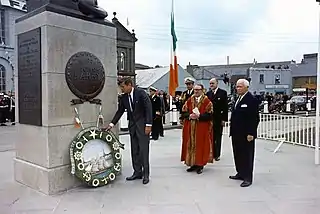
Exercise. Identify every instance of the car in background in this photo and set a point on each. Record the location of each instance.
(298, 103)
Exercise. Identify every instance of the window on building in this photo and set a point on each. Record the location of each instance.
(2, 28)
(277, 79)
(2, 78)
(261, 78)
(122, 61)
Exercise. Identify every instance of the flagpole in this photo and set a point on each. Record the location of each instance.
(316, 151)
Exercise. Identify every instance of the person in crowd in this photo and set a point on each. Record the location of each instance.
(4, 107)
(197, 146)
(156, 113)
(189, 81)
(243, 131)
(219, 99)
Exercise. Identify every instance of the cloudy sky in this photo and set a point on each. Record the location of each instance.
(208, 32)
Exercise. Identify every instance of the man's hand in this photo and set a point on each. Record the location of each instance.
(147, 130)
(223, 123)
(108, 127)
(193, 116)
(250, 138)
(158, 113)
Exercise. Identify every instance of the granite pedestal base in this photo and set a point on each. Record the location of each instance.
(42, 151)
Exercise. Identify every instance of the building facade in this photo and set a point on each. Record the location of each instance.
(125, 50)
(266, 70)
(10, 10)
(275, 81)
(304, 74)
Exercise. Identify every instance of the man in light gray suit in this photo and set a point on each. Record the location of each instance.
(139, 109)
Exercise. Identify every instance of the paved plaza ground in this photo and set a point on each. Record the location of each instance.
(287, 182)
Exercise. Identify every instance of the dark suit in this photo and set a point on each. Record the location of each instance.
(138, 119)
(184, 97)
(163, 115)
(157, 119)
(220, 113)
(244, 121)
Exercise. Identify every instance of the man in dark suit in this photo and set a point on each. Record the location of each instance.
(156, 113)
(243, 131)
(219, 99)
(189, 81)
(139, 108)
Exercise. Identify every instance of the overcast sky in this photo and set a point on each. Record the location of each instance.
(267, 30)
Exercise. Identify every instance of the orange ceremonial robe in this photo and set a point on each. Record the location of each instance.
(197, 135)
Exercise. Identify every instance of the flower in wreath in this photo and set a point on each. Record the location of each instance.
(116, 146)
(78, 155)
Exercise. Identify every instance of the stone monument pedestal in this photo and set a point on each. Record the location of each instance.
(45, 43)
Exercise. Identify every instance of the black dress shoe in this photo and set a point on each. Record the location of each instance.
(246, 184)
(134, 177)
(235, 177)
(145, 180)
(217, 159)
(200, 170)
(192, 168)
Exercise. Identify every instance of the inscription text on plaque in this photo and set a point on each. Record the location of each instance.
(29, 78)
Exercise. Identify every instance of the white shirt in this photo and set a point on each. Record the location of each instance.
(131, 95)
(190, 91)
(198, 98)
(215, 91)
(240, 98)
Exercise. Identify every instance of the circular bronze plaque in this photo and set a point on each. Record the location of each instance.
(85, 75)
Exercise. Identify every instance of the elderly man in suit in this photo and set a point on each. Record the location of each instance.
(243, 131)
(139, 108)
(219, 99)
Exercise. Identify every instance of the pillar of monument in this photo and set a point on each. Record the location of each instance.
(49, 40)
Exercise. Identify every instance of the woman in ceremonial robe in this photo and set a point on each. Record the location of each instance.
(197, 133)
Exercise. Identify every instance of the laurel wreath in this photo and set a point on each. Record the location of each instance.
(76, 156)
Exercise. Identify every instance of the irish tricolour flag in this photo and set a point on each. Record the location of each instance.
(173, 80)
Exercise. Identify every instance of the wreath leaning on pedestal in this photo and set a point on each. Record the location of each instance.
(99, 166)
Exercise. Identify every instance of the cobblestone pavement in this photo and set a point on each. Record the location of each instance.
(287, 182)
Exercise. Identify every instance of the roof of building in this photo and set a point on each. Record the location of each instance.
(141, 66)
(122, 32)
(15, 4)
(217, 71)
(146, 77)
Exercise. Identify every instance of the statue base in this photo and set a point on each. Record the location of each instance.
(46, 116)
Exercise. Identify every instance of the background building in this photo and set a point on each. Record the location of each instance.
(304, 74)
(125, 50)
(159, 78)
(272, 77)
(10, 10)
(276, 81)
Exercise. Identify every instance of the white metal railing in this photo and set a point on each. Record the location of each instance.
(296, 130)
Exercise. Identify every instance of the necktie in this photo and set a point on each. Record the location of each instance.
(131, 102)
(238, 100)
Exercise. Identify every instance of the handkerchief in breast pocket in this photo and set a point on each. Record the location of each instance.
(244, 106)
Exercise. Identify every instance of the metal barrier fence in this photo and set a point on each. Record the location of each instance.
(286, 128)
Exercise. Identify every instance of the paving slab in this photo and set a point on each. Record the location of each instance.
(285, 182)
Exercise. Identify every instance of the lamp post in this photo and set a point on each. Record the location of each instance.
(316, 152)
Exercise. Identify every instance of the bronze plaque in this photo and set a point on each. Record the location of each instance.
(85, 75)
(29, 78)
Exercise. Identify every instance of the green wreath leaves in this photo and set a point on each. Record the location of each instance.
(97, 171)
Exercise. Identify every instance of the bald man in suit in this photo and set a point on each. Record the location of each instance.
(243, 131)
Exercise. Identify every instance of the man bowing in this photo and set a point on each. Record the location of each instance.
(139, 109)
(243, 131)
